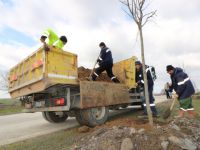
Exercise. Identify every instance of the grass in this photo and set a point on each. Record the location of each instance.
(196, 103)
(64, 139)
(163, 106)
(60, 140)
(9, 106)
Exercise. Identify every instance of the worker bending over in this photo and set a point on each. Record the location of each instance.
(105, 62)
(184, 89)
(50, 38)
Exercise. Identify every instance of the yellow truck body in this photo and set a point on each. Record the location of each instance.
(47, 82)
(41, 70)
(125, 71)
(44, 69)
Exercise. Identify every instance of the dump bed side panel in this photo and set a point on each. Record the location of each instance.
(125, 71)
(62, 67)
(94, 94)
(41, 70)
(27, 72)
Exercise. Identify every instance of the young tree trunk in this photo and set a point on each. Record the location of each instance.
(149, 113)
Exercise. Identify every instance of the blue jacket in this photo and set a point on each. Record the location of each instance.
(140, 79)
(105, 57)
(182, 84)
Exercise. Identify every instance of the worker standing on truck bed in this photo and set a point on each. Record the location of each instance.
(184, 89)
(105, 61)
(50, 38)
(140, 84)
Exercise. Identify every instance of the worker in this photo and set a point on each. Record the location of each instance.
(184, 89)
(167, 91)
(140, 84)
(105, 62)
(50, 38)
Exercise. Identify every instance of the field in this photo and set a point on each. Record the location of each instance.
(9, 106)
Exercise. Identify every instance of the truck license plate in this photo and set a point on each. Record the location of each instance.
(38, 104)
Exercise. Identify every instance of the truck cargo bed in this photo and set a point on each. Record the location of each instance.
(41, 70)
(44, 69)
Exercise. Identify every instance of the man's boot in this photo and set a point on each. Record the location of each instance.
(191, 113)
(115, 80)
(180, 114)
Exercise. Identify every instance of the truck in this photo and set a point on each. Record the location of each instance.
(48, 82)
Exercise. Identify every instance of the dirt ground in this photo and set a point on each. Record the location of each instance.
(128, 134)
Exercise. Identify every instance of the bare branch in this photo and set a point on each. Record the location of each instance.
(146, 6)
(145, 15)
(149, 16)
(136, 10)
(130, 15)
(141, 3)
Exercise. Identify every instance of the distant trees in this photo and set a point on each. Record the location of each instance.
(3, 81)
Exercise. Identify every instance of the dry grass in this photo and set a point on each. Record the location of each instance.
(10, 106)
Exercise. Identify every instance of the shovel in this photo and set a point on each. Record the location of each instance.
(93, 70)
(90, 76)
(169, 110)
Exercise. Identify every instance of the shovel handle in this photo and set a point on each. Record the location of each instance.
(93, 69)
(172, 105)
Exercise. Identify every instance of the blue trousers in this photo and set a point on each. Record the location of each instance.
(151, 101)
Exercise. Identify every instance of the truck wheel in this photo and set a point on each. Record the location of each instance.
(80, 117)
(44, 116)
(93, 116)
(55, 117)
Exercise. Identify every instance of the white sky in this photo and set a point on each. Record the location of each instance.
(173, 37)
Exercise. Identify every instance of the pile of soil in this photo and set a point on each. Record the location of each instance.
(179, 134)
(83, 73)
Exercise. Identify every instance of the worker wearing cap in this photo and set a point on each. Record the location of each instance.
(50, 38)
(105, 62)
(140, 84)
(184, 89)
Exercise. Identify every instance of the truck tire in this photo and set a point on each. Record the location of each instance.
(44, 116)
(92, 116)
(80, 117)
(55, 117)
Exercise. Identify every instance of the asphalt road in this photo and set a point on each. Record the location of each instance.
(22, 126)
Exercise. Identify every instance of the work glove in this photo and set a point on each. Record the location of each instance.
(176, 96)
(99, 61)
(46, 48)
(139, 83)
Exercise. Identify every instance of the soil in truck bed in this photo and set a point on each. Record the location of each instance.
(83, 73)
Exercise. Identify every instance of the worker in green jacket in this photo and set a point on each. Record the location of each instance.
(50, 38)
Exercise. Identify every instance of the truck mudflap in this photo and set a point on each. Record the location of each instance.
(96, 94)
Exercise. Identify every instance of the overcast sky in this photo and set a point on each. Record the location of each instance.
(172, 38)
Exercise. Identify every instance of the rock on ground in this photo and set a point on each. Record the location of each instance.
(178, 134)
(127, 144)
